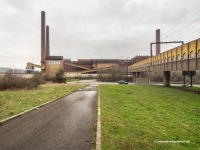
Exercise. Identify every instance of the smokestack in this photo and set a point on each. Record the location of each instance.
(157, 40)
(47, 42)
(43, 51)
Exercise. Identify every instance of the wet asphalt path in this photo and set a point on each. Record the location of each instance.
(66, 124)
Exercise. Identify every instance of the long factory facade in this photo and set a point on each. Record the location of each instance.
(51, 65)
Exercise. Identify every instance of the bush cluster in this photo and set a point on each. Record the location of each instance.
(59, 78)
(11, 81)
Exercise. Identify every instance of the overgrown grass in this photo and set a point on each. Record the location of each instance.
(14, 102)
(72, 80)
(140, 117)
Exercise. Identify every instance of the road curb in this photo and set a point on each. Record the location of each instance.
(29, 110)
(98, 136)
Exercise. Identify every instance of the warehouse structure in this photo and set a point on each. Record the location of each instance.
(51, 65)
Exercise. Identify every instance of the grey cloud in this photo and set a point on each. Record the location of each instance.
(86, 29)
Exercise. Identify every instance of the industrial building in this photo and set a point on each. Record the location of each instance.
(51, 65)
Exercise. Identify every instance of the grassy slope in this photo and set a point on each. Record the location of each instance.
(133, 117)
(14, 102)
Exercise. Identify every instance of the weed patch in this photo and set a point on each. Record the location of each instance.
(10, 81)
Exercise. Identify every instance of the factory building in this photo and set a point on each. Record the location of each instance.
(51, 65)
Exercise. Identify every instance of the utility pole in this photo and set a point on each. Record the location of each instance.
(77, 70)
(151, 53)
(127, 69)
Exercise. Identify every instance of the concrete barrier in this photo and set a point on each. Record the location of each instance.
(142, 81)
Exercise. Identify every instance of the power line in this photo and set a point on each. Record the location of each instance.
(180, 24)
(189, 29)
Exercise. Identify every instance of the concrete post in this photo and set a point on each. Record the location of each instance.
(134, 77)
(43, 50)
(191, 80)
(183, 80)
(166, 78)
(47, 42)
(137, 74)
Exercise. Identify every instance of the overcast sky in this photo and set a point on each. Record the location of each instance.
(86, 29)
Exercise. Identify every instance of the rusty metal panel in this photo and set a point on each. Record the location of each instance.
(153, 62)
(157, 61)
(185, 50)
(142, 63)
(192, 56)
(149, 61)
(198, 45)
(146, 62)
(158, 58)
(165, 61)
(154, 59)
(192, 50)
(192, 46)
(184, 62)
(161, 65)
(169, 55)
(161, 57)
(178, 51)
(198, 54)
(165, 55)
(174, 52)
(173, 59)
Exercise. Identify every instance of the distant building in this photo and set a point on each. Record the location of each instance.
(139, 58)
(89, 64)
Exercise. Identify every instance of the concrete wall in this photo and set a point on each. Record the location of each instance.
(142, 81)
(79, 75)
(104, 65)
(53, 66)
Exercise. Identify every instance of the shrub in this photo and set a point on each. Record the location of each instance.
(48, 78)
(37, 79)
(60, 77)
(10, 81)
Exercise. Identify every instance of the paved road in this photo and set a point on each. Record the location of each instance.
(66, 124)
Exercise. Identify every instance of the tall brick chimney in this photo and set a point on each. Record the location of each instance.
(43, 49)
(47, 42)
(157, 40)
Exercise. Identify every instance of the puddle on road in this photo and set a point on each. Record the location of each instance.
(93, 85)
(90, 88)
(87, 91)
(90, 92)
